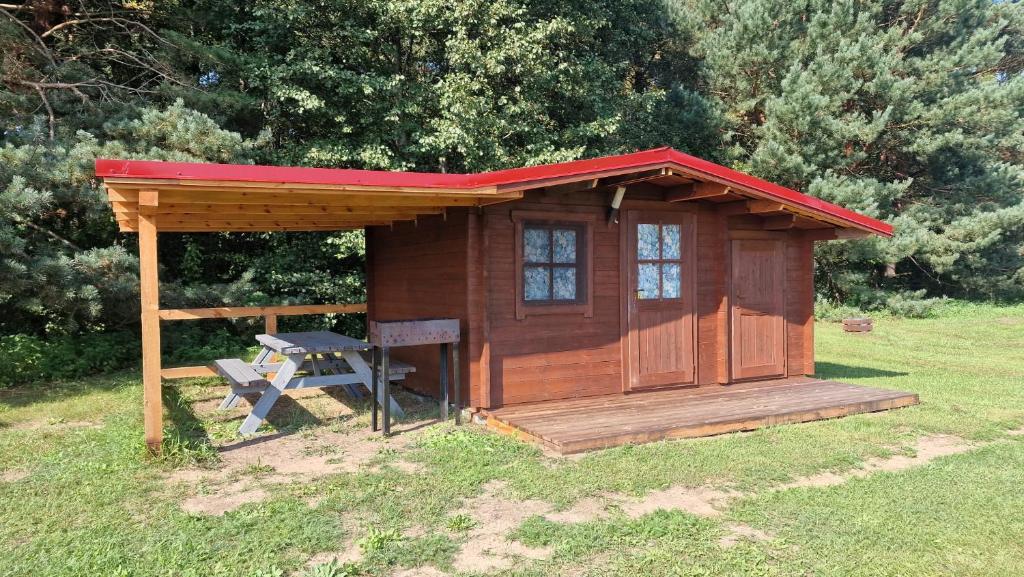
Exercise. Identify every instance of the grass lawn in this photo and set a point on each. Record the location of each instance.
(79, 497)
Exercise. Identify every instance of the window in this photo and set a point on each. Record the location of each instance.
(659, 261)
(553, 262)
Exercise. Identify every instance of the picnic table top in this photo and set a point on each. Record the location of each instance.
(311, 342)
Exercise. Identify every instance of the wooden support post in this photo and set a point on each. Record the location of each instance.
(149, 291)
(271, 324)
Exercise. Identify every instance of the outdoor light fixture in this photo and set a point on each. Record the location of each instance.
(613, 214)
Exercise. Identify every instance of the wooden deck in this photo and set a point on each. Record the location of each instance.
(576, 425)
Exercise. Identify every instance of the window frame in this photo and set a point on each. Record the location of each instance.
(583, 223)
(660, 262)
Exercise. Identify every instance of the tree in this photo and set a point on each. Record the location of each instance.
(465, 86)
(912, 111)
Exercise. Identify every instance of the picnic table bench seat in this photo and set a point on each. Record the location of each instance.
(239, 373)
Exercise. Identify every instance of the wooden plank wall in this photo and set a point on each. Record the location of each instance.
(419, 270)
(799, 304)
(561, 355)
(712, 302)
(462, 266)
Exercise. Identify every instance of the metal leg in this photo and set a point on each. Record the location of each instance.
(374, 361)
(443, 387)
(455, 387)
(386, 380)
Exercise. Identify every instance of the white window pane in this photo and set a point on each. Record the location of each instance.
(537, 283)
(565, 246)
(647, 241)
(647, 281)
(670, 242)
(670, 281)
(536, 245)
(564, 284)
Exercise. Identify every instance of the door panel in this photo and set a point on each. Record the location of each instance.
(758, 299)
(659, 299)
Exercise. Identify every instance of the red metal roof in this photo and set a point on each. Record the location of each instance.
(504, 180)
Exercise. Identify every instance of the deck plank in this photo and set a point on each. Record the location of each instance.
(575, 425)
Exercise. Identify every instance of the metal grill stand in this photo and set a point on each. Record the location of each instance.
(405, 333)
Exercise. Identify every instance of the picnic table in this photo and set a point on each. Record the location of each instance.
(327, 360)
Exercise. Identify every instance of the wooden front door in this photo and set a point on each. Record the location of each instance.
(660, 298)
(758, 347)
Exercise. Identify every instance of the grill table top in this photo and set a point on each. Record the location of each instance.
(404, 333)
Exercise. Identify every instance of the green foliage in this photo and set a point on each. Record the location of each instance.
(32, 359)
(473, 85)
(377, 539)
(912, 111)
(460, 523)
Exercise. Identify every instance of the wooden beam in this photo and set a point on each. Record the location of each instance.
(750, 207)
(241, 312)
(696, 191)
(851, 233)
(836, 234)
(204, 186)
(268, 227)
(149, 291)
(187, 372)
(570, 187)
(278, 198)
(679, 193)
(179, 210)
(207, 221)
(780, 222)
(805, 222)
(640, 176)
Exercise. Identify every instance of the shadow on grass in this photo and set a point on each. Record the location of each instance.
(58, 391)
(184, 432)
(838, 371)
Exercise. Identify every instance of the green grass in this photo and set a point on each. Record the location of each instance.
(83, 498)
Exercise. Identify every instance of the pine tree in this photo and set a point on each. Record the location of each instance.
(912, 111)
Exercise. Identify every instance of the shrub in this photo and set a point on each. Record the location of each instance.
(63, 357)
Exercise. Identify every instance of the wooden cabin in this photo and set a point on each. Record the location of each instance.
(612, 276)
(582, 282)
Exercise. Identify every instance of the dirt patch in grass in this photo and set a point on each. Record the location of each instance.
(926, 450)
(222, 501)
(738, 532)
(246, 467)
(44, 425)
(700, 501)
(584, 510)
(13, 475)
(488, 547)
(349, 552)
(421, 572)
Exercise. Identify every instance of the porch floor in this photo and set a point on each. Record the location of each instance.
(576, 425)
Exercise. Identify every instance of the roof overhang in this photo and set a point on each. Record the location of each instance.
(194, 197)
